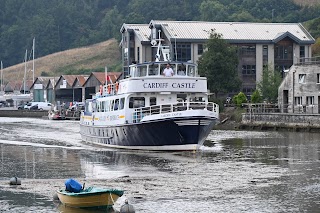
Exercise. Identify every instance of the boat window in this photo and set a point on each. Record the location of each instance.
(98, 106)
(102, 106)
(197, 99)
(94, 106)
(136, 102)
(111, 105)
(133, 71)
(153, 69)
(141, 71)
(191, 70)
(88, 106)
(153, 101)
(181, 97)
(116, 105)
(181, 70)
(107, 106)
(121, 104)
(163, 66)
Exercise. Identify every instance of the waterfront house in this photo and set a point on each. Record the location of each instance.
(299, 91)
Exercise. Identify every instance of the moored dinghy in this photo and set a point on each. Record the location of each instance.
(91, 197)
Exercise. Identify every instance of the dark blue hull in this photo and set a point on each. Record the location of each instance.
(182, 134)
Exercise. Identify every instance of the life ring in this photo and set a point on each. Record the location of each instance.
(109, 88)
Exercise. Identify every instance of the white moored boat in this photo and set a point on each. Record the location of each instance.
(149, 111)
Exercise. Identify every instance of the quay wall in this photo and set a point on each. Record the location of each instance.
(23, 113)
(278, 121)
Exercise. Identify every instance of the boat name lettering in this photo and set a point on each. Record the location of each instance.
(171, 114)
(183, 85)
(155, 85)
(114, 117)
(165, 85)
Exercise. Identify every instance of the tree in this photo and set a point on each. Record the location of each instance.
(269, 84)
(219, 64)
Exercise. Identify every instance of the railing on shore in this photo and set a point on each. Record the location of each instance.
(139, 113)
(285, 108)
(311, 60)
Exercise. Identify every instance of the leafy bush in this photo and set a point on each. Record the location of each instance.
(256, 97)
(239, 99)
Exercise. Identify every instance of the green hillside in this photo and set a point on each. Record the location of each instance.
(73, 61)
(60, 25)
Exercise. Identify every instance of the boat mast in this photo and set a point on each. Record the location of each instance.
(25, 72)
(33, 47)
(1, 76)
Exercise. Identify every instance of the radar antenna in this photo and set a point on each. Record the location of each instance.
(165, 50)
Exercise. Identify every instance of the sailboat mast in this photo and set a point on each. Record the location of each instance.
(1, 77)
(33, 47)
(25, 72)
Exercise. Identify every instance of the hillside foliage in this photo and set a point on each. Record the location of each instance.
(60, 25)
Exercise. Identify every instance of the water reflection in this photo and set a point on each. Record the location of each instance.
(65, 209)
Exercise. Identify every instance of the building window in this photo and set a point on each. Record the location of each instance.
(248, 50)
(265, 54)
(310, 100)
(297, 101)
(248, 69)
(283, 52)
(302, 52)
(248, 90)
(302, 78)
(183, 52)
(318, 78)
(200, 49)
(138, 54)
(131, 36)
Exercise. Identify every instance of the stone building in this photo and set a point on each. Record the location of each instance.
(299, 91)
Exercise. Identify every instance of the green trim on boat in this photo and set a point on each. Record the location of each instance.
(93, 191)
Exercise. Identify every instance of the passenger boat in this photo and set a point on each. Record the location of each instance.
(91, 197)
(148, 111)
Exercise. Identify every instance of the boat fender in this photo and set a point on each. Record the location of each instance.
(100, 90)
(117, 87)
(55, 197)
(127, 208)
(15, 181)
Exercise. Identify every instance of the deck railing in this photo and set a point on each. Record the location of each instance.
(139, 113)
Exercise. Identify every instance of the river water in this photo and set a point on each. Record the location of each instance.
(235, 171)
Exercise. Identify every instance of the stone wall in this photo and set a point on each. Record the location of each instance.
(282, 120)
(23, 113)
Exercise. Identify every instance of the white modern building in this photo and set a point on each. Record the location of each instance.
(259, 44)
